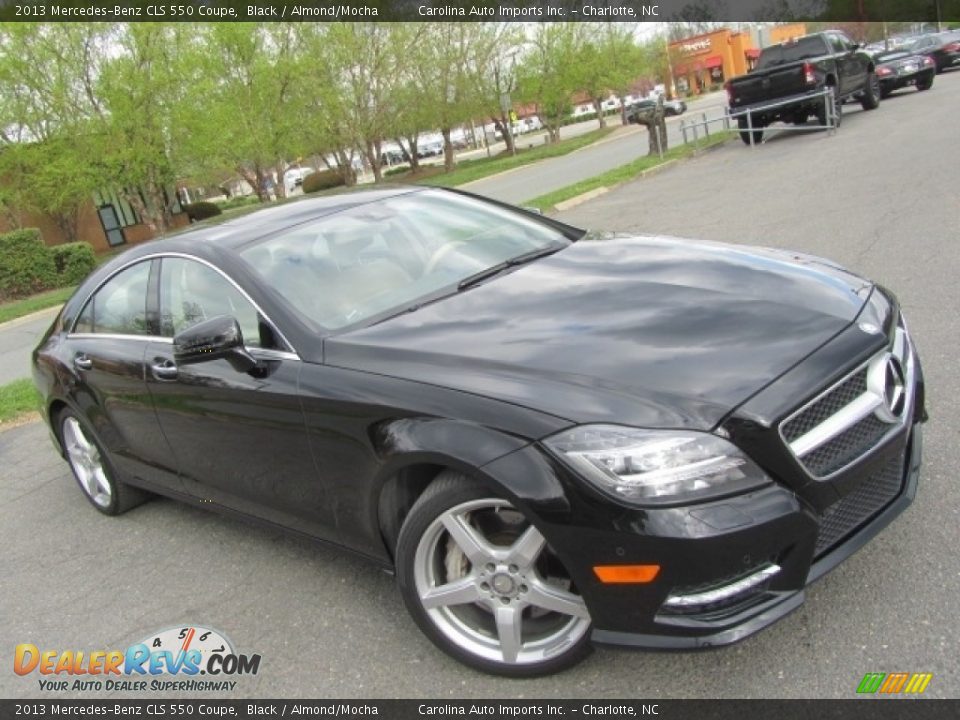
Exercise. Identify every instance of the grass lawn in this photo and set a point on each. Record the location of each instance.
(41, 301)
(17, 400)
(622, 174)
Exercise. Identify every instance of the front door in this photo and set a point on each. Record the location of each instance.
(239, 438)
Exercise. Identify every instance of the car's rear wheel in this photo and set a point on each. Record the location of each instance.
(870, 99)
(745, 133)
(483, 585)
(926, 82)
(838, 108)
(92, 468)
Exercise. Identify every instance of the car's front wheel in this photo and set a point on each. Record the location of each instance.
(926, 82)
(92, 468)
(482, 583)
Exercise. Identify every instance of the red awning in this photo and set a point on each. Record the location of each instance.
(753, 53)
(713, 61)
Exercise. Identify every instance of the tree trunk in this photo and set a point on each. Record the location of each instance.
(598, 106)
(448, 163)
(67, 224)
(372, 153)
(554, 131)
(254, 178)
(411, 151)
(508, 138)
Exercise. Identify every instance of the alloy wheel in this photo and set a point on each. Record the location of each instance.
(488, 581)
(87, 465)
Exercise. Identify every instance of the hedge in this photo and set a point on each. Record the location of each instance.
(74, 261)
(322, 180)
(201, 210)
(26, 264)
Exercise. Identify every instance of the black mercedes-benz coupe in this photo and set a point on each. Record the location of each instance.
(899, 69)
(553, 437)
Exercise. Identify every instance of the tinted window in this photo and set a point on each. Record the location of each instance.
(805, 47)
(389, 255)
(120, 306)
(191, 292)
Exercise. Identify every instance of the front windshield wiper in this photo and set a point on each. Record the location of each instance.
(494, 270)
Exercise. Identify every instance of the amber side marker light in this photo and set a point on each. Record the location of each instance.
(626, 573)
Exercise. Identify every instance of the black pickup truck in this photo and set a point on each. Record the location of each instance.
(792, 75)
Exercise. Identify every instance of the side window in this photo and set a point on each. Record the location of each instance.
(119, 307)
(837, 44)
(191, 292)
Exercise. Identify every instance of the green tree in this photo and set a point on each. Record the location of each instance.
(548, 74)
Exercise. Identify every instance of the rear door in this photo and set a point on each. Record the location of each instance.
(104, 352)
(239, 438)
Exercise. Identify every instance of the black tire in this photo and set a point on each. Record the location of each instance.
(121, 497)
(870, 99)
(745, 133)
(822, 110)
(926, 82)
(418, 539)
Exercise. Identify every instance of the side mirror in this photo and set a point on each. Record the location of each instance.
(213, 339)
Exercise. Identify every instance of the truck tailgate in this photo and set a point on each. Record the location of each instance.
(767, 85)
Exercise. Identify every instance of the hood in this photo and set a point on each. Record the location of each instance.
(644, 331)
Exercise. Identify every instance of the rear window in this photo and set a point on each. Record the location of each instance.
(805, 47)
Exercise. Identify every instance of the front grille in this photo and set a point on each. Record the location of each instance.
(846, 447)
(846, 516)
(855, 415)
(821, 409)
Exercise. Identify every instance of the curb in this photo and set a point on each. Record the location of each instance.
(577, 199)
(591, 194)
(23, 319)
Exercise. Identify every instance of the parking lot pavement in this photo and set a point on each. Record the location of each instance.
(880, 196)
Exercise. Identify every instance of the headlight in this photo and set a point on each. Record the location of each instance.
(657, 466)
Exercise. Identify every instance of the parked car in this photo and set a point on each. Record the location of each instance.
(551, 436)
(942, 48)
(791, 76)
(646, 105)
(899, 69)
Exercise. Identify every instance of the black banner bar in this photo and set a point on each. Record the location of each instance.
(859, 709)
(928, 11)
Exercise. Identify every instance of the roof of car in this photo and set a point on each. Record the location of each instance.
(241, 230)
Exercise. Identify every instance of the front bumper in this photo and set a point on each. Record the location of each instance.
(771, 605)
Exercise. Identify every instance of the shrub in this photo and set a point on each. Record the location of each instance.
(26, 265)
(74, 261)
(238, 201)
(201, 210)
(322, 180)
(398, 170)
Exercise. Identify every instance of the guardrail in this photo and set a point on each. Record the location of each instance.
(700, 127)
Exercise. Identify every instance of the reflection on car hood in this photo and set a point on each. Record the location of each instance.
(653, 332)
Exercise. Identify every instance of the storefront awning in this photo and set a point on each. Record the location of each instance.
(753, 53)
(713, 61)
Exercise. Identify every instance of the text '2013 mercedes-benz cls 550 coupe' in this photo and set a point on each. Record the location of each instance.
(553, 437)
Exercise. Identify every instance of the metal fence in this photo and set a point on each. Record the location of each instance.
(697, 128)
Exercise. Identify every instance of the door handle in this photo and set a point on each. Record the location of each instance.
(164, 370)
(82, 362)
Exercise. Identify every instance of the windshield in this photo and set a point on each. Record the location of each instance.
(391, 255)
(802, 49)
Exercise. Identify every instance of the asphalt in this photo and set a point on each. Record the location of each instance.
(880, 196)
(17, 340)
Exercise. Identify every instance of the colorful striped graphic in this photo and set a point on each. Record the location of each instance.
(893, 683)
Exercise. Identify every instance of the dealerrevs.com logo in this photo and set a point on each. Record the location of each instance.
(171, 660)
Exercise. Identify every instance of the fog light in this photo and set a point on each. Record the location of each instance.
(723, 593)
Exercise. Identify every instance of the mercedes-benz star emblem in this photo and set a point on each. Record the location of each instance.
(886, 381)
